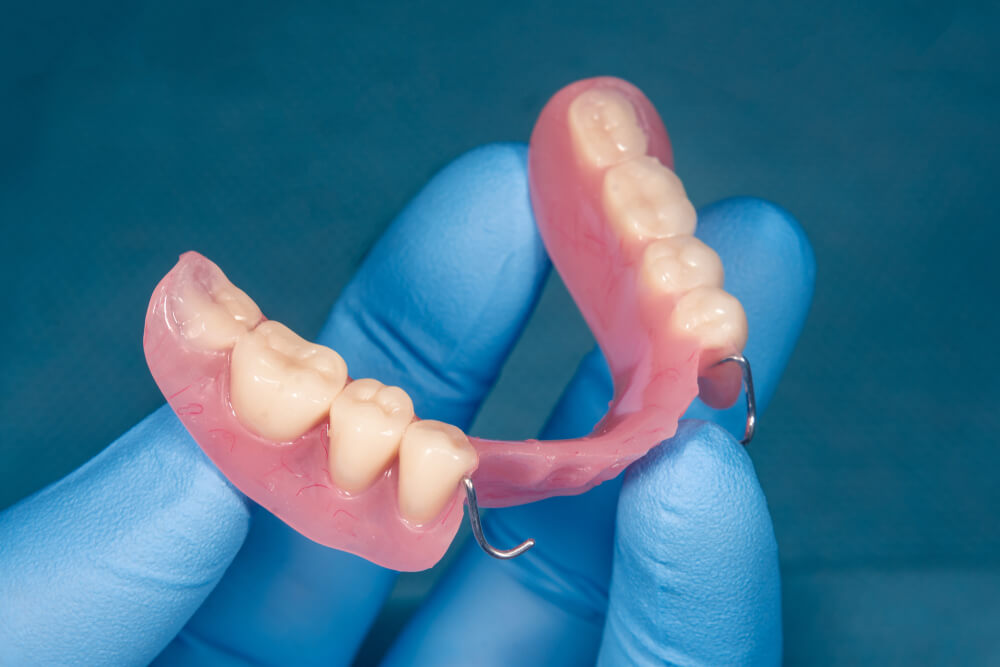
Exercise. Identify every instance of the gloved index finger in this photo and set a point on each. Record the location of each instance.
(434, 309)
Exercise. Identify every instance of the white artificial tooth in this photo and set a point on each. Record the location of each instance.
(713, 317)
(643, 199)
(281, 385)
(604, 128)
(678, 264)
(212, 318)
(433, 458)
(367, 421)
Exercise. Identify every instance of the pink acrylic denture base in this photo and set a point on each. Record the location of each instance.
(291, 480)
(655, 375)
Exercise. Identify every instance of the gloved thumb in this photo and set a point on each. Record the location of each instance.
(695, 577)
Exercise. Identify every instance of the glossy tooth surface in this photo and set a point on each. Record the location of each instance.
(678, 264)
(281, 385)
(367, 421)
(604, 128)
(214, 319)
(712, 316)
(644, 199)
(433, 458)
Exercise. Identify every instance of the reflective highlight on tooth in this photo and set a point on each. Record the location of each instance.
(678, 264)
(213, 320)
(433, 458)
(281, 385)
(714, 317)
(605, 129)
(644, 199)
(367, 422)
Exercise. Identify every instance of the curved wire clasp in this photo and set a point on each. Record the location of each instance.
(470, 489)
(751, 426)
(477, 528)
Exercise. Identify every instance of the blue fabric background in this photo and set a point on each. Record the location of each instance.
(279, 141)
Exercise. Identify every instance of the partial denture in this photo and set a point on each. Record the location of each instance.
(348, 464)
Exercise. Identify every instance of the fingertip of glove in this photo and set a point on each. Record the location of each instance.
(743, 229)
(495, 177)
(695, 538)
(442, 297)
(697, 490)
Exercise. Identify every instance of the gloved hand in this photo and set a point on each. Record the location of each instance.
(147, 552)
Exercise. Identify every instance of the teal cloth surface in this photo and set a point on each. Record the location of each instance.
(279, 141)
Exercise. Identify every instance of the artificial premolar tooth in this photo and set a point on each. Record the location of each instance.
(367, 421)
(605, 129)
(213, 318)
(713, 317)
(433, 458)
(280, 384)
(680, 263)
(644, 199)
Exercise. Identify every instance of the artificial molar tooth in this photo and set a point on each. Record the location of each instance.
(713, 317)
(605, 129)
(367, 421)
(214, 317)
(678, 264)
(280, 384)
(433, 458)
(644, 199)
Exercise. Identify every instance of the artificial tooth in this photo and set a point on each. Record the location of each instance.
(712, 316)
(367, 421)
(605, 129)
(213, 318)
(644, 199)
(280, 384)
(433, 458)
(680, 263)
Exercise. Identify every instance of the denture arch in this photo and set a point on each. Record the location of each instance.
(347, 463)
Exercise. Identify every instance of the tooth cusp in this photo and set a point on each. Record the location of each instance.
(680, 263)
(713, 317)
(214, 317)
(433, 458)
(646, 200)
(367, 422)
(605, 128)
(280, 384)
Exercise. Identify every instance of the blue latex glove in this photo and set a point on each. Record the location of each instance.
(147, 552)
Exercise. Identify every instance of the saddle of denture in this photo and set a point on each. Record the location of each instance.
(347, 463)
